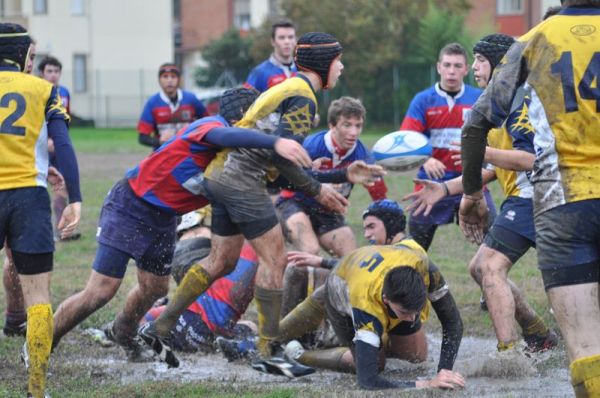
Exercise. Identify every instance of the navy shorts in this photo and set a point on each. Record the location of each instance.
(235, 212)
(25, 221)
(446, 211)
(513, 231)
(568, 243)
(136, 228)
(321, 221)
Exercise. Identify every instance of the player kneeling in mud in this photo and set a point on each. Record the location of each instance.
(376, 300)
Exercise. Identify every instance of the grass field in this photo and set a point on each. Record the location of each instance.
(104, 155)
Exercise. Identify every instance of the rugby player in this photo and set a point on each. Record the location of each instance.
(512, 232)
(138, 217)
(439, 112)
(30, 113)
(280, 65)
(241, 205)
(362, 310)
(167, 111)
(307, 224)
(557, 61)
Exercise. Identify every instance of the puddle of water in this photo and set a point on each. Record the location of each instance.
(546, 376)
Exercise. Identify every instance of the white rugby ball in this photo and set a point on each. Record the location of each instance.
(402, 150)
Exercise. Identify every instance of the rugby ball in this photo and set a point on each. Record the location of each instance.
(402, 150)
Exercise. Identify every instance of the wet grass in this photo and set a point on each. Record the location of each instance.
(100, 169)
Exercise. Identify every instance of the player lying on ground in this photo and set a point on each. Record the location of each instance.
(362, 308)
(511, 154)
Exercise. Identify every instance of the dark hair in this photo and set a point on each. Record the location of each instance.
(14, 45)
(347, 107)
(404, 285)
(453, 49)
(551, 11)
(49, 60)
(283, 23)
(493, 47)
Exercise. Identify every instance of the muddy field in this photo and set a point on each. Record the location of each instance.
(80, 364)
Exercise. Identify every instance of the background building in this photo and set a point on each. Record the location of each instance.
(110, 50)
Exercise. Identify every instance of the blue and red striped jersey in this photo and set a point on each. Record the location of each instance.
(161, 115)
(321, 145)
(440, 117)
(226, 300)
(223, 304)
(169, 178)
(268, 74)
(65, 97)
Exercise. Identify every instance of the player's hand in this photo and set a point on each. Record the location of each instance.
(456, 150)
(446, 379)
(332, 199)
(472, 217)
(293, 151)
(303, 259)
(166, 135)
(69, 220)
(50, 146)
(424, 199)
(361, 173)
(434, 168)
(56, 180)
(317, 163)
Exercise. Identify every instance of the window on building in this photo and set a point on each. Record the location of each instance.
(241, 14)
(77, 7)
(80, 73)
(510, 7)
(40, 7)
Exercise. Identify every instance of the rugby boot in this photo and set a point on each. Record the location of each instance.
(537, 343)
(159, 344)
(280, 364)
(133, 349)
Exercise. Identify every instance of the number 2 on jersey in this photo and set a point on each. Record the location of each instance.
(8, 125)
(372, 262)
(564, 68)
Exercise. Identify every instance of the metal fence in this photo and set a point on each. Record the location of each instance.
(116, 98)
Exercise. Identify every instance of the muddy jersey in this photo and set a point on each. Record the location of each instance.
(440, 117)
(559, 61)
(355, 286)
(517, 133)
(269, 73)
(286, 110)
(27, 103)
(161, 115)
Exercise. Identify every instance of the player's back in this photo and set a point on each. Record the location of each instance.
(24, 102)
(563, 60)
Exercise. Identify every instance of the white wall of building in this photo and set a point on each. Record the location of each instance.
(123, 43)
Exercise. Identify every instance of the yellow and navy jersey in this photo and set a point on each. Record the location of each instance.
(286, 110)
(516, 133)
(26, 104)
(559, 61)
(355, 286)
